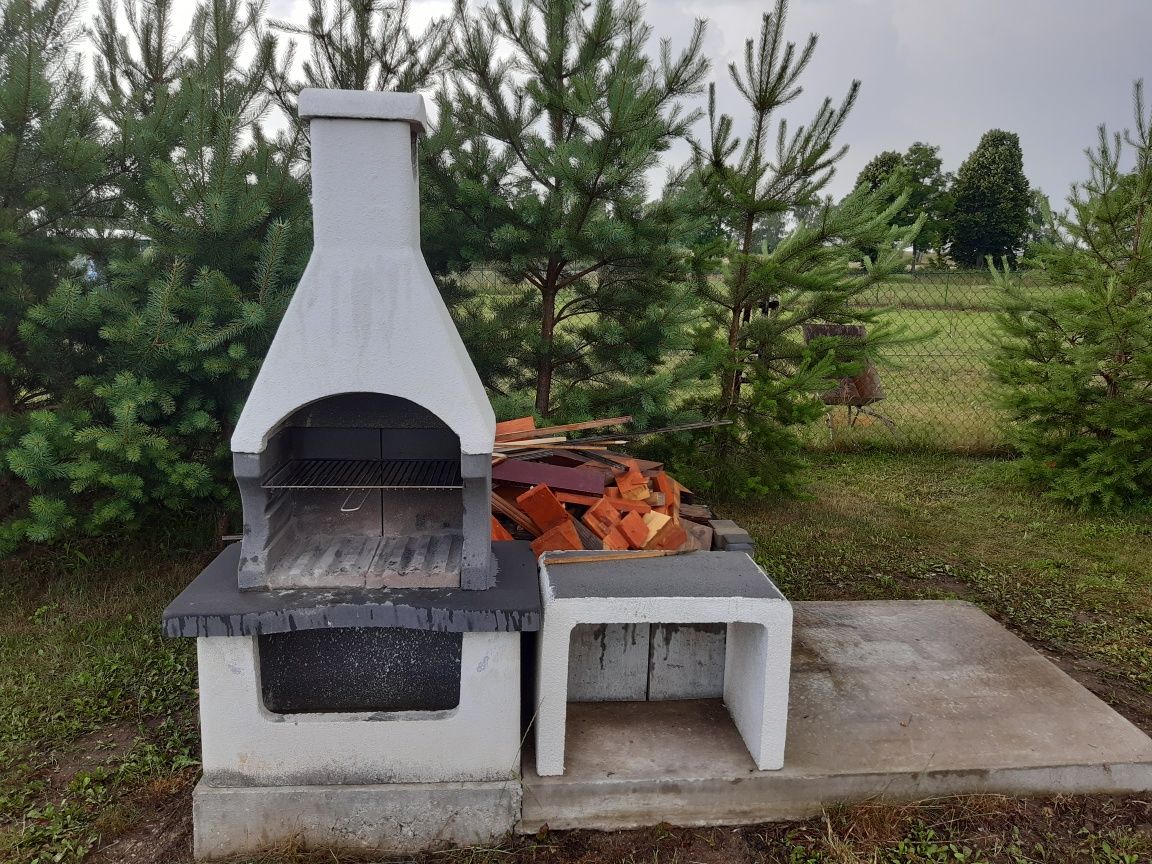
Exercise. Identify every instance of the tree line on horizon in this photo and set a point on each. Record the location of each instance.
(152, 231)
(985, 210)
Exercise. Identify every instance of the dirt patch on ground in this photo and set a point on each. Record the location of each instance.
(152, 826)
(1066, 829)
(89, 752)
(1127, 698)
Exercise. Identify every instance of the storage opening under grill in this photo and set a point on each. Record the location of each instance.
(360, 669)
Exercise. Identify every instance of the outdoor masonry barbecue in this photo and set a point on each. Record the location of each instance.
(359, 650)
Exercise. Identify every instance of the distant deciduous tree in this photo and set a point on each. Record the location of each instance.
(1042, 227)
(879, 170)
(929, 193)
(991, 198)
(919, 172)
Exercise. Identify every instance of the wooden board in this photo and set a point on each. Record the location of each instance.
(506, 434)
(521, 473)
(510, 427)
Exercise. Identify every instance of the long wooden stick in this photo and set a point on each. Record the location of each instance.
(618, 556)
(503, 448)
(536, 442)
(683, 427)
(545, 431)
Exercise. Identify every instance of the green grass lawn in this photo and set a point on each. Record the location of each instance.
(97, 712)
(97, 709)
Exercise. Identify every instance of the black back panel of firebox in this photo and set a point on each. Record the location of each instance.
(356, 669)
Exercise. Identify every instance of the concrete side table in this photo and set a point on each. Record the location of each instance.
(698, 588)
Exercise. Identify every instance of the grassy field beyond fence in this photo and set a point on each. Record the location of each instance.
(939, 393)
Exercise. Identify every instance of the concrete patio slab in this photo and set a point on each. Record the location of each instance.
(900, 700)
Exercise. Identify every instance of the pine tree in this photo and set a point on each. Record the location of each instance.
(1075, 358)
(137, 85)
(554, 116)
(991, 199)
(176, 324)
(52, 181)
(768, 376)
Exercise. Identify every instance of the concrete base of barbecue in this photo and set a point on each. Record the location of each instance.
(895, 700)
(394, 818)
(245, 744)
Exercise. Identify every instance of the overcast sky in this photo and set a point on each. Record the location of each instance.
(945, 71)
(941, 71)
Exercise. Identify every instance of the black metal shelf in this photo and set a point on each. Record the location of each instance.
(366, 474)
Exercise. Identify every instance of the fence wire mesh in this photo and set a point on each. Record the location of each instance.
(938, 390)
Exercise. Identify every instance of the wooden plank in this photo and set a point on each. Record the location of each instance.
(670, 536)
(669, 489)
(632, 484)
(601, 518)
(696, 512)
(520, 473)
(543, 431)
(700, 534)
(632, 526)
(514, 427)
(623, 459)
(587, 539)
(562, 537)
(615, 539)
(516, 441)
(499, 532)
(579, 500)
(655, 522)
(542, 507)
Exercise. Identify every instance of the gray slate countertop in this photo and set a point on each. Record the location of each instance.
(695, 574)
(213, 604)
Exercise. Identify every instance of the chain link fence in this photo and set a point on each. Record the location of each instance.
(938, 390)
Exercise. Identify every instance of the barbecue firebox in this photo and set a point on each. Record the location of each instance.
(359, 651)
(362, 489)
(364, 451)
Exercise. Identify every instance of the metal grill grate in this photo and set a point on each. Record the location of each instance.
(366, 474)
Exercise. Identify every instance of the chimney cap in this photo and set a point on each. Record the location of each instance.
(364, 105)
